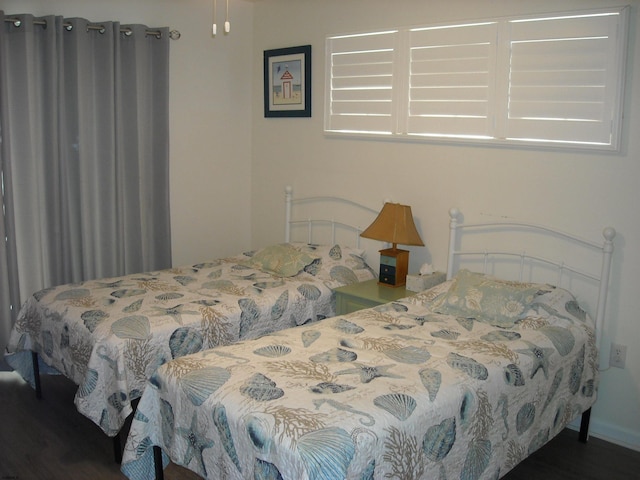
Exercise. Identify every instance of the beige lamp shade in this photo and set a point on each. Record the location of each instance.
(394, 224)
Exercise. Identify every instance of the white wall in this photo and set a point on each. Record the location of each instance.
(574, 191)
(210, 105)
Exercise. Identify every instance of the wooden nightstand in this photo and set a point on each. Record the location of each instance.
(357, 296)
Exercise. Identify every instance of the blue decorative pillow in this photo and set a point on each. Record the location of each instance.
(497, 302)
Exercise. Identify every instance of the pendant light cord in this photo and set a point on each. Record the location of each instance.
(214, 26)
(227, 25)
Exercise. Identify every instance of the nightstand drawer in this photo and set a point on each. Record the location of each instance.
(387, 270)
(388, 273)
(388, 279)
(387, 260)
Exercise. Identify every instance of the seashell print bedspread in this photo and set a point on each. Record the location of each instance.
(390, 392)
(110, 335)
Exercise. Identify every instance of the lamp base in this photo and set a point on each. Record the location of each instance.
(394, 266)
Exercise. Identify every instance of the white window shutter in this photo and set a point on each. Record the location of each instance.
(360, 83)
(564, 79)
(452, 80)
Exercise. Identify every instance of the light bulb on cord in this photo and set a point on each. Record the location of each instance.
(227, 25)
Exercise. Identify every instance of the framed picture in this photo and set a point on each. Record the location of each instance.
(287, 82)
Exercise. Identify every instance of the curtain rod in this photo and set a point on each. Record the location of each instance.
(173, 34)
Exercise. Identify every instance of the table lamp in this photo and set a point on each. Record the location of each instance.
(394, 224)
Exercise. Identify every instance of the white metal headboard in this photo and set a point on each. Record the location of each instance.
(605, 248)
(362, 211)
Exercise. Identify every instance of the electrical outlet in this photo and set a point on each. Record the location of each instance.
(618, 355)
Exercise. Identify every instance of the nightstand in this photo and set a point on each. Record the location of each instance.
(358, 296)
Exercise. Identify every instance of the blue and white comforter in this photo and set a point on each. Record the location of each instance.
(110, 335)
(396, 391)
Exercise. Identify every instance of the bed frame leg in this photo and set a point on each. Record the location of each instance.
(36, 374)
(583, 436)
(157, 462)
(117, 449)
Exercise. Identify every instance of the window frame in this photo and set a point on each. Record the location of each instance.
(498, 90)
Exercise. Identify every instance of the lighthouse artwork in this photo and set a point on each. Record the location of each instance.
(287, 77)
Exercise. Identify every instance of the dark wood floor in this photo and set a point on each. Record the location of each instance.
(48, 439)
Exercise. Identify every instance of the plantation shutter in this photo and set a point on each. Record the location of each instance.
(552, 79)
(564, 79)
(360, 83)
(452, 80)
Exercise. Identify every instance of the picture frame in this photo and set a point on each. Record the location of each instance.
(287, 82)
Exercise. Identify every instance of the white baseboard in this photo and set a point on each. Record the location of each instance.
(610, 433)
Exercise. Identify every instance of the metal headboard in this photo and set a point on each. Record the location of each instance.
(291, 221)
(605, 248)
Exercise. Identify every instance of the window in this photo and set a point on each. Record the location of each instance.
(546, 80)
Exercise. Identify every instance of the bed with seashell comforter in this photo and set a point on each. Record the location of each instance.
(397, 391)
(463, 380)
(110, 335)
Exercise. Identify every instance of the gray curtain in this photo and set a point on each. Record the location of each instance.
(84, 154)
